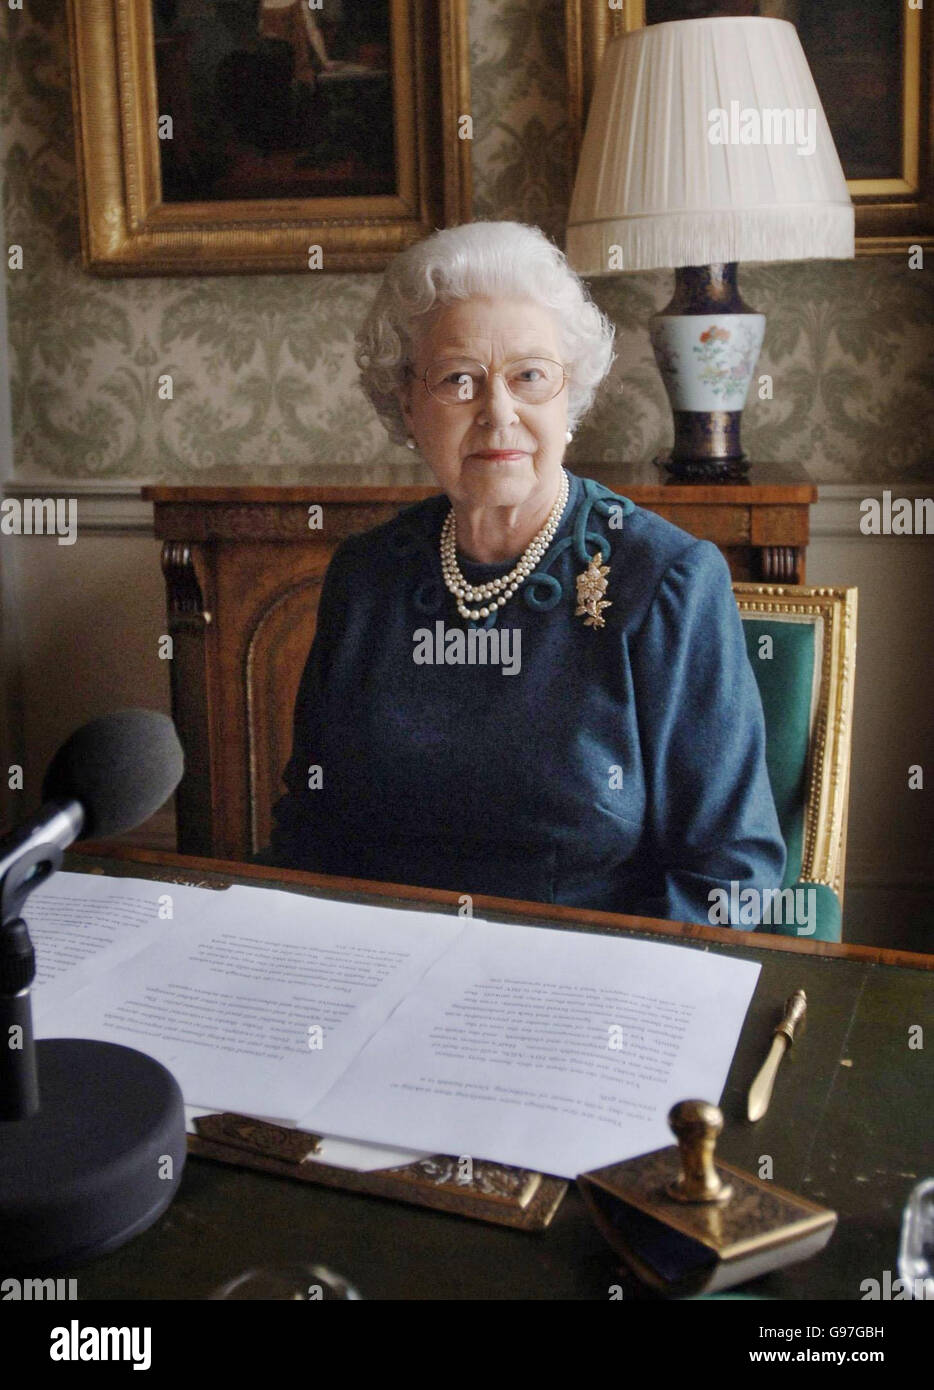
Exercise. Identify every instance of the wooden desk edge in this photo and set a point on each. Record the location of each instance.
(299, 495)
(512, 907)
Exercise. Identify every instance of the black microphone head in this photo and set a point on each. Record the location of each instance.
(121, 767)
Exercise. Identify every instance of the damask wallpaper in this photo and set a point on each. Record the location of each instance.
(264, 379)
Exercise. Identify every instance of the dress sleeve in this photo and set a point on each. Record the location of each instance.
(710, 819)
(292, 842)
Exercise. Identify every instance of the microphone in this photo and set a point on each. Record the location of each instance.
(108, 777)
(95, 1154)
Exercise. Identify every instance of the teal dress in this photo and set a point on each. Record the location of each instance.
(618, 767)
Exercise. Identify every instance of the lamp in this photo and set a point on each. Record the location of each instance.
(707, 144)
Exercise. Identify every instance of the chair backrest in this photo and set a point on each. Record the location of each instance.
(802, 647)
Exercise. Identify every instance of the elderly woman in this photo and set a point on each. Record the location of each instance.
(525, 686)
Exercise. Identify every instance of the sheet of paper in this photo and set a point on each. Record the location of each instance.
(260, 1004)
(83, 924)
(551, 1050)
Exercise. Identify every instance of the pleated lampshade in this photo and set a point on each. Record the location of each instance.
(652, 187)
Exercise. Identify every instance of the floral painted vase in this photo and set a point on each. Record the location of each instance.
(707, 360)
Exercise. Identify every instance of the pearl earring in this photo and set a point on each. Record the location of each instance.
(569, 436)
(410, 443)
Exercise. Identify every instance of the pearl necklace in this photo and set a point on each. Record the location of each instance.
(455, 582)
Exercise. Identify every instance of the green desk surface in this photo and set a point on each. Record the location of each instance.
(850, 1125)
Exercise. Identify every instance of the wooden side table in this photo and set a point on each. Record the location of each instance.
(243, 572)
(761, 527)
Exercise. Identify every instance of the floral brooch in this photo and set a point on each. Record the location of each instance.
(591, 586)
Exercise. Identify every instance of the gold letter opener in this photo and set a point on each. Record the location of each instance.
(760, 1092)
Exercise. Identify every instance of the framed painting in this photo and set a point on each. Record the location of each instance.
(230, 136)
(873, 68)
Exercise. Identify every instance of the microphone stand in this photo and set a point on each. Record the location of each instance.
(102, 1157)
(30, 855)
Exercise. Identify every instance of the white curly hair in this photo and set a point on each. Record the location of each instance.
(488, 259)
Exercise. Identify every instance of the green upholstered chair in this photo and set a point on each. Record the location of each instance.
(802, 647)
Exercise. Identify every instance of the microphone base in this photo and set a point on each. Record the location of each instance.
(97, 1165)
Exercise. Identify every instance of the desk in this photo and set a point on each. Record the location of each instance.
(849, 1126)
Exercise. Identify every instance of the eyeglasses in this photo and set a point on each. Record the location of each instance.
(532, 380)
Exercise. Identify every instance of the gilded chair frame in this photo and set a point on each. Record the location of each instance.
(828, 771)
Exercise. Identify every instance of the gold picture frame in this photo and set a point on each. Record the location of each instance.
(892, 213)
(128, 229)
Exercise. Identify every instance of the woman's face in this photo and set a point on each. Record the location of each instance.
(452, 438)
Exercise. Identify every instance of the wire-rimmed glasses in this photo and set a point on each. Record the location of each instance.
(531, 380)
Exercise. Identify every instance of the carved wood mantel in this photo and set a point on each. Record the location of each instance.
(243, 572)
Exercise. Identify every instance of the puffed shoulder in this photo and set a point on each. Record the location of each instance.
(655, 563)
(420, 519)
(693, 591)
(378, 551)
